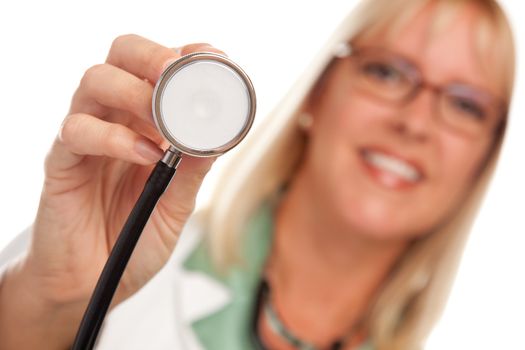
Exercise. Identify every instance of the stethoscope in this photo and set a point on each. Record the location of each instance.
(204, 105)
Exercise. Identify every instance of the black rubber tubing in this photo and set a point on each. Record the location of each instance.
(109, 279)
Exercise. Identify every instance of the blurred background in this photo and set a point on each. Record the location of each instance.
(47, 46)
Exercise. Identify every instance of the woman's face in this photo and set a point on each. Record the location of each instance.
(396, 171)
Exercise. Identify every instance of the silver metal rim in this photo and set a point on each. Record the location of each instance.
(173, 69)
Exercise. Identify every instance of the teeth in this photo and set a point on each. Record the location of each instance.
(393, 165)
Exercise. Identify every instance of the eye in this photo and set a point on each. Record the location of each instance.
(467, 107)
(382, 72)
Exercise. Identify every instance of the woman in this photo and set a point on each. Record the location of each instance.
(342, 225)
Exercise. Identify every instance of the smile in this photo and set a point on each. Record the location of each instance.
(390, 170)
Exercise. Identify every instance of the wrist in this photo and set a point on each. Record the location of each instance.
(29, 319)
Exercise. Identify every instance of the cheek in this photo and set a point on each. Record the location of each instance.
(337, 178)
(459, 160)
(345, 120)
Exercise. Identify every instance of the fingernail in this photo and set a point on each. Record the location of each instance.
(148, 150)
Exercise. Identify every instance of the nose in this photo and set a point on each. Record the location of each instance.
(415, 120)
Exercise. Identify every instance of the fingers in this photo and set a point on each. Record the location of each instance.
(82, 134)
(147, 59)
(123, 82)
(178, 201)
(200, 47)
(140, 56)
(101, 117)
(105, 87)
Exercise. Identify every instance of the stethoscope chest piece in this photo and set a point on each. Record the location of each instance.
(204, 104)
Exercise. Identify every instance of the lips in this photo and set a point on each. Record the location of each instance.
(390, 169)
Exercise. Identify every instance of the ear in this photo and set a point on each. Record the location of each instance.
(305, 121)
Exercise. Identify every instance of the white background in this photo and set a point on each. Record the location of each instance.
(47, 45)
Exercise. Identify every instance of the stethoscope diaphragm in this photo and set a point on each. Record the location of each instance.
(203, 104)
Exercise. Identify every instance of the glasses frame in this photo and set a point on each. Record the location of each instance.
(419, 83)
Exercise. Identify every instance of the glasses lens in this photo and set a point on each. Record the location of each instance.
(392, 79)
(382, 76)
(468, 110)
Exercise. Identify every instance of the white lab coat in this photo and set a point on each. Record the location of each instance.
(158, 316)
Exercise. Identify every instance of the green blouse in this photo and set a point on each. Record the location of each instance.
(230, 327)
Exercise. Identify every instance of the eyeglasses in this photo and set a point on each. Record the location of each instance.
(394, 80)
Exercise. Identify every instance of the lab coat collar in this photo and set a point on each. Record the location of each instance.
(222, 318)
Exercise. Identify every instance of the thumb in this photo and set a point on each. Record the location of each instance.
(179, 199)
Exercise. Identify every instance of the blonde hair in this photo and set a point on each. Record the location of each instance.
(414, 295)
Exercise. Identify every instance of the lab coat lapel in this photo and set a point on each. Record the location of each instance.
(219, 307)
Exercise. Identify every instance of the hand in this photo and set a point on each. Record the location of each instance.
(95, 171)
